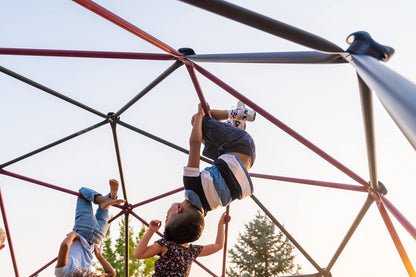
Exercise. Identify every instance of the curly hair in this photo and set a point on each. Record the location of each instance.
(186, 226)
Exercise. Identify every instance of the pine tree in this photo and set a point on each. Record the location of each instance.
(113, 251)
(260, 251)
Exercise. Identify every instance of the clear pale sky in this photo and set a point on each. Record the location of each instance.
(321, 102)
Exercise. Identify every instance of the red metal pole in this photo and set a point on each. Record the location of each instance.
(117, 216)
(8, 173)
(405, 223)
(11, 174)
(310, 182)
(157, 197)
(94, 7)
(85, 54)
(281, 125)
(198, 89)
(399, 246)
(9, 237)
(43, 268)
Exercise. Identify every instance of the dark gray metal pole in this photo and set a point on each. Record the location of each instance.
(161, 77)
(351, 231)
(165, 142)
(367, 110)
(54, 143)
(305, 57)
(287, 234)
(113, 124)
(50, 91)
(266, 24)
(397, 94)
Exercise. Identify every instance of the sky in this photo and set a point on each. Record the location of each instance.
(321, 102)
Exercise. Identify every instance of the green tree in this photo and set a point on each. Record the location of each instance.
(260, 251)
(113, 251)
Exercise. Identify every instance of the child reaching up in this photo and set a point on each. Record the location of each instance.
(176, 258)
(77, 249)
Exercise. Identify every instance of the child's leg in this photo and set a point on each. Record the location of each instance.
(102, 212)
(84, 214)
(220, 114)
(102, 225)
(223, 138)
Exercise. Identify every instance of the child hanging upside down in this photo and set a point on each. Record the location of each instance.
(76, 250)
(233, 152)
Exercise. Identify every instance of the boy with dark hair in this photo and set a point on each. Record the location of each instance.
(233, 152)
(76, 250)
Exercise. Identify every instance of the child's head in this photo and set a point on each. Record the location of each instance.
(184, 223)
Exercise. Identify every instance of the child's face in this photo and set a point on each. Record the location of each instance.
(173, 210)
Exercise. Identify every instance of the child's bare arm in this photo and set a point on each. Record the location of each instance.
(108, 269)
(195, 139)
(143, 251)
(219, 241)
(64, 248)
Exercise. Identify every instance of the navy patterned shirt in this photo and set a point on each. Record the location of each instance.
(177, 260)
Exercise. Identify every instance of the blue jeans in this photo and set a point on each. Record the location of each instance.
(221, 138)
(92, 227)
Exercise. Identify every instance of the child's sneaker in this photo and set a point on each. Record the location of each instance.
(241, 113)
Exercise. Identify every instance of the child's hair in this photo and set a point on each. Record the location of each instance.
(186, 226)
(83, 272)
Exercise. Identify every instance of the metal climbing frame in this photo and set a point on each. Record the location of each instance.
(364, 54)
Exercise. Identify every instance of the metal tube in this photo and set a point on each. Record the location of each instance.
(84, 54)
(99, 10)
(124, 211)
(351, 231)
(126, 246)
(120, 168)
(265, 24)
(368, 117)
(306, 57)
(43, 268)
(165, 142)
(50, 91)
(14, 175)
(21, 177)
(397, 94)
(9, 237)
(310, 182)
(403, 221)
(286, 233)
(224, 251)
(161, 77)
(54, 143)
(390, 227)
(158, 197)
(281, 125)
(198, 89)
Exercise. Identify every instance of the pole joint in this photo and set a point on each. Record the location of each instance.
(361, 43)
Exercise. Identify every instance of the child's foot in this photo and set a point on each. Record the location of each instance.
(113, 188)
(105, 202)
(241, 113)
